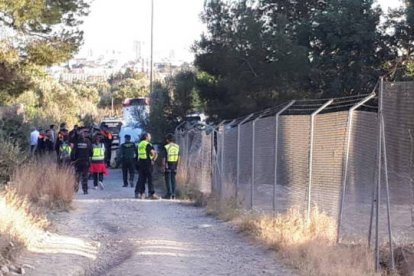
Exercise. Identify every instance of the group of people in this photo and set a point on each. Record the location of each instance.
(143, 156)
(89, 152)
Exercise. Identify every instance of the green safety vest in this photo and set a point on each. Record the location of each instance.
(173, 151)
(142, 150)
(98, 152)
(65, 151)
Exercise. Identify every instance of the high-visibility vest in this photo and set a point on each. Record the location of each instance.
(173, 151)
(65, 151)
(142, 149)
(98, 152)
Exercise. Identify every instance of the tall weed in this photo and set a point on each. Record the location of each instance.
(45, 183)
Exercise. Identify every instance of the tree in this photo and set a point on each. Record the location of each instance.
(251, 64)
(161, 120)
(257, 54)
(128, 84)
(184, 94)
(400, 38)
(42, 33)
(346, 48)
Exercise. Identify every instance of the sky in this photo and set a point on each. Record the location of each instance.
(113, 25)
(116, 24)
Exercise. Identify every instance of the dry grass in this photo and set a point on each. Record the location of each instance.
(227, 210)
(21, 224)
(308, 246)
(186, 191)
(34, 187)
(45, 184)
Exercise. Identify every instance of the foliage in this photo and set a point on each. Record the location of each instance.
(161, 121)
(53, 102)
(185, 97)
(128, 84)
(11, 156)
(40, 33)
(171, 101)
(248, 63)
(256, 54)
(400, 39)
(345, 48)
(13, 126)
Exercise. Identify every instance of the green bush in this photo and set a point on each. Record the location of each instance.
(14, 128)
(11, 156)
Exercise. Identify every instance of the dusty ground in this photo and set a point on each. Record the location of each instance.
(111, 233)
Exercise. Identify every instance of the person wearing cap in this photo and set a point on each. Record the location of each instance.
(146, 157)
(128, 159)
(170, 163)
(81, 153)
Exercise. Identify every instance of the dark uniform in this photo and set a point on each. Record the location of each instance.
(80, 155)
(145, 168)
(107, 140)
(128, 159)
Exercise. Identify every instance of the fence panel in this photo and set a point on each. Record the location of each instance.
(230, 163)
(328, 156)
(244, 190)
(398, 108)
(209, 163)
(361, 176)
(264, 164)
(293, 161)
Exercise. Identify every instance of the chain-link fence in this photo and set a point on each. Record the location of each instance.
(321, 153)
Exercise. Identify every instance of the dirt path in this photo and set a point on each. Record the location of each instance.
(111, 233)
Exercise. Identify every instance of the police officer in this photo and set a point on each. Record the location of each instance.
(128, 158)
(80, 156)
(146, 157)
(170, 163)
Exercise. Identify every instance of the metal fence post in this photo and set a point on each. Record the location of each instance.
(222, 163)
(202, 160)
(238, 156)
(311, 154)
(387, 190)
(253, 162)
(377, 249)
(346, 161)
(275, 150)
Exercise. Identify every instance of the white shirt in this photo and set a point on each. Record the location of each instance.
(34, 137)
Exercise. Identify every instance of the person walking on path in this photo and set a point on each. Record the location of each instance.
(107, 141)
(80, 157)
(98, 167)
(61, 136)
(146, 157)
(128, 159)
(34, 139)
(65, 151)
(73, 134)
(170, 163)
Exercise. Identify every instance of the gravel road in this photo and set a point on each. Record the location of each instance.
(111, 233)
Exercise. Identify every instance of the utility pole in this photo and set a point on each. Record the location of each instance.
(152, 46)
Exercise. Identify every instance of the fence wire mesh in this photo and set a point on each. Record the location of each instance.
(398, 109)
(238, 161)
